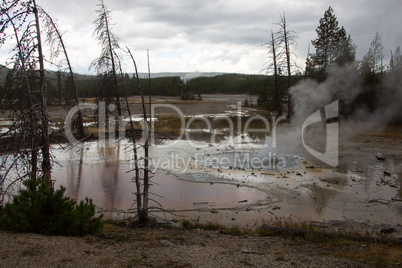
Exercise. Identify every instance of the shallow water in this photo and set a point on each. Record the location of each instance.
(357, 191)
(107, 180)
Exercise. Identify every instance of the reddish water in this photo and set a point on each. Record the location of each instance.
(108, 184)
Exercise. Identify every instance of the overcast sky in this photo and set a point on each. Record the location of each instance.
(215, 35)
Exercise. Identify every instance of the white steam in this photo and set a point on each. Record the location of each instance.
(344, 84)
(188, 76)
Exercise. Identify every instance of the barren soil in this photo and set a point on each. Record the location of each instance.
(157, 247)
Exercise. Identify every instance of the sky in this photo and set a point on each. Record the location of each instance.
(214, 35)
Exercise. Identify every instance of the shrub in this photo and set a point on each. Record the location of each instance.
(40, 209)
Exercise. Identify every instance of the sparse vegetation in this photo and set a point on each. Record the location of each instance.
(40, 209)
(210, 226)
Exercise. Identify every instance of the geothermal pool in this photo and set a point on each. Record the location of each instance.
(202, 178)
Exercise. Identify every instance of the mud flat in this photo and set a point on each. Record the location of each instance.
(355, 197)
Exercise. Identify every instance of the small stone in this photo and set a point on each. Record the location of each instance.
(166, 243)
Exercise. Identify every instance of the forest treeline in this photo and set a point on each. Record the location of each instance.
(166, 86)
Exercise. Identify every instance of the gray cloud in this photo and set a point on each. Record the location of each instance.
(184, 35)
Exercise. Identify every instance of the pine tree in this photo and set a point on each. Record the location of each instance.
(395, 64)
(346, 49)
(41, 209)
(332, 45)
(371, 69)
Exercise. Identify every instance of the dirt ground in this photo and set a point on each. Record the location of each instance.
(159, 247)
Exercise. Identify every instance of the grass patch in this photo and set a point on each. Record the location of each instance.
(210, 226)
(136, 262)
(248, 264)
(105, 262)
(66, 260)
(30, 252)
(349, 246)
(379, 255)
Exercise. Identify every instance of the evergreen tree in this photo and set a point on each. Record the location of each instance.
(346, 52)
(332, 45)
(372, 62)
(371, 69)
(395, 64)
(41, 209)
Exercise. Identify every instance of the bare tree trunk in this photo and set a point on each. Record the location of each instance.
(287, 38)
(277, 93)
(111, 51)
(59, 86)
(287, 51)
(45, 147)
(143, 214)
(136, 167)
(33, 126)
(150, 95)
(81, 131)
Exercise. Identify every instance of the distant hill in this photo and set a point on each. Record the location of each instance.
(183, 75)
(188, 75)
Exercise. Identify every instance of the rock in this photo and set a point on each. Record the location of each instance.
(166, 243)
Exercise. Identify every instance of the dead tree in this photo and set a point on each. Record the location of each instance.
(54, 38)
(143, 211)
(287, 39)
(273, 66)
(45, 145)
(150, 94)
(137, 177)
(106, 63)
(31, 107)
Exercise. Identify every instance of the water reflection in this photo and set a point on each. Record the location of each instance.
(101, 172)
(107, 181)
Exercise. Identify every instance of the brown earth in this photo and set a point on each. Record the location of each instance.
(121, 246)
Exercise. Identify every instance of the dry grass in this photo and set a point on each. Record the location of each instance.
(391, 132)
(168, 125)
(210, 226)
(341, 245)
(379, 255)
